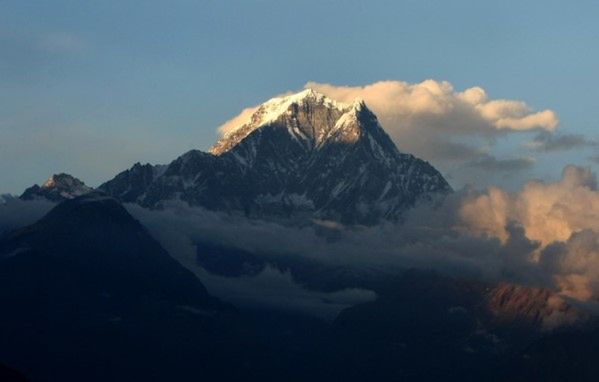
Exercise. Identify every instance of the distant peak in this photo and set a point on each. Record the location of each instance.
(56, 188)
(61, 180)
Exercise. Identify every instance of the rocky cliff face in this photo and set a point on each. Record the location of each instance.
(520, 305)
(302, 155)
(131, 184)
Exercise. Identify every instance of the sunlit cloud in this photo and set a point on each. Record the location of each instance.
(547, 211)
(545, 235)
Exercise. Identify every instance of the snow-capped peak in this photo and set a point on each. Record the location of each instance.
(57, 187)
(308, 115)
(303, 154)
(66, 183)
(272, 109)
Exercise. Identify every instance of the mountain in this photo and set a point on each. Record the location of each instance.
(57, 188)
(131, 184)
(88, 294)
(298, 155)
(426, 326)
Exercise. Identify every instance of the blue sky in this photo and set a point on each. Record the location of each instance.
(91, 88)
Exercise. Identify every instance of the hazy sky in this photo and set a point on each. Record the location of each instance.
(90, 88)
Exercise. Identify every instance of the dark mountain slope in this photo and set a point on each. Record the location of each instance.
(87, 294)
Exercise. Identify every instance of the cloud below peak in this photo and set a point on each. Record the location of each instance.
(546, 234)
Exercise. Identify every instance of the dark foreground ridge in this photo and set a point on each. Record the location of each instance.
(88, 294)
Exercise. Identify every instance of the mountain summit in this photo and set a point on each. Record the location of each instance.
(57, 188)
(297, 155)
(309, 116)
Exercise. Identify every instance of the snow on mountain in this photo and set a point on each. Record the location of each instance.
(278, 108)
(297, 155)
(56, 188)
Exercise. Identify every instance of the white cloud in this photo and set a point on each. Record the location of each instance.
(548, 212)
(408, 105)
(179, 226)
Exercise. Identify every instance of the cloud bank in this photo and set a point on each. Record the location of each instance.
(548, 212)
(179, 227)
(436, 105)
(546, 234)
(561, 217)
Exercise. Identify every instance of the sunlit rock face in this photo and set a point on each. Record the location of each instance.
(302, 155)
(519, 305)
(57, 188)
